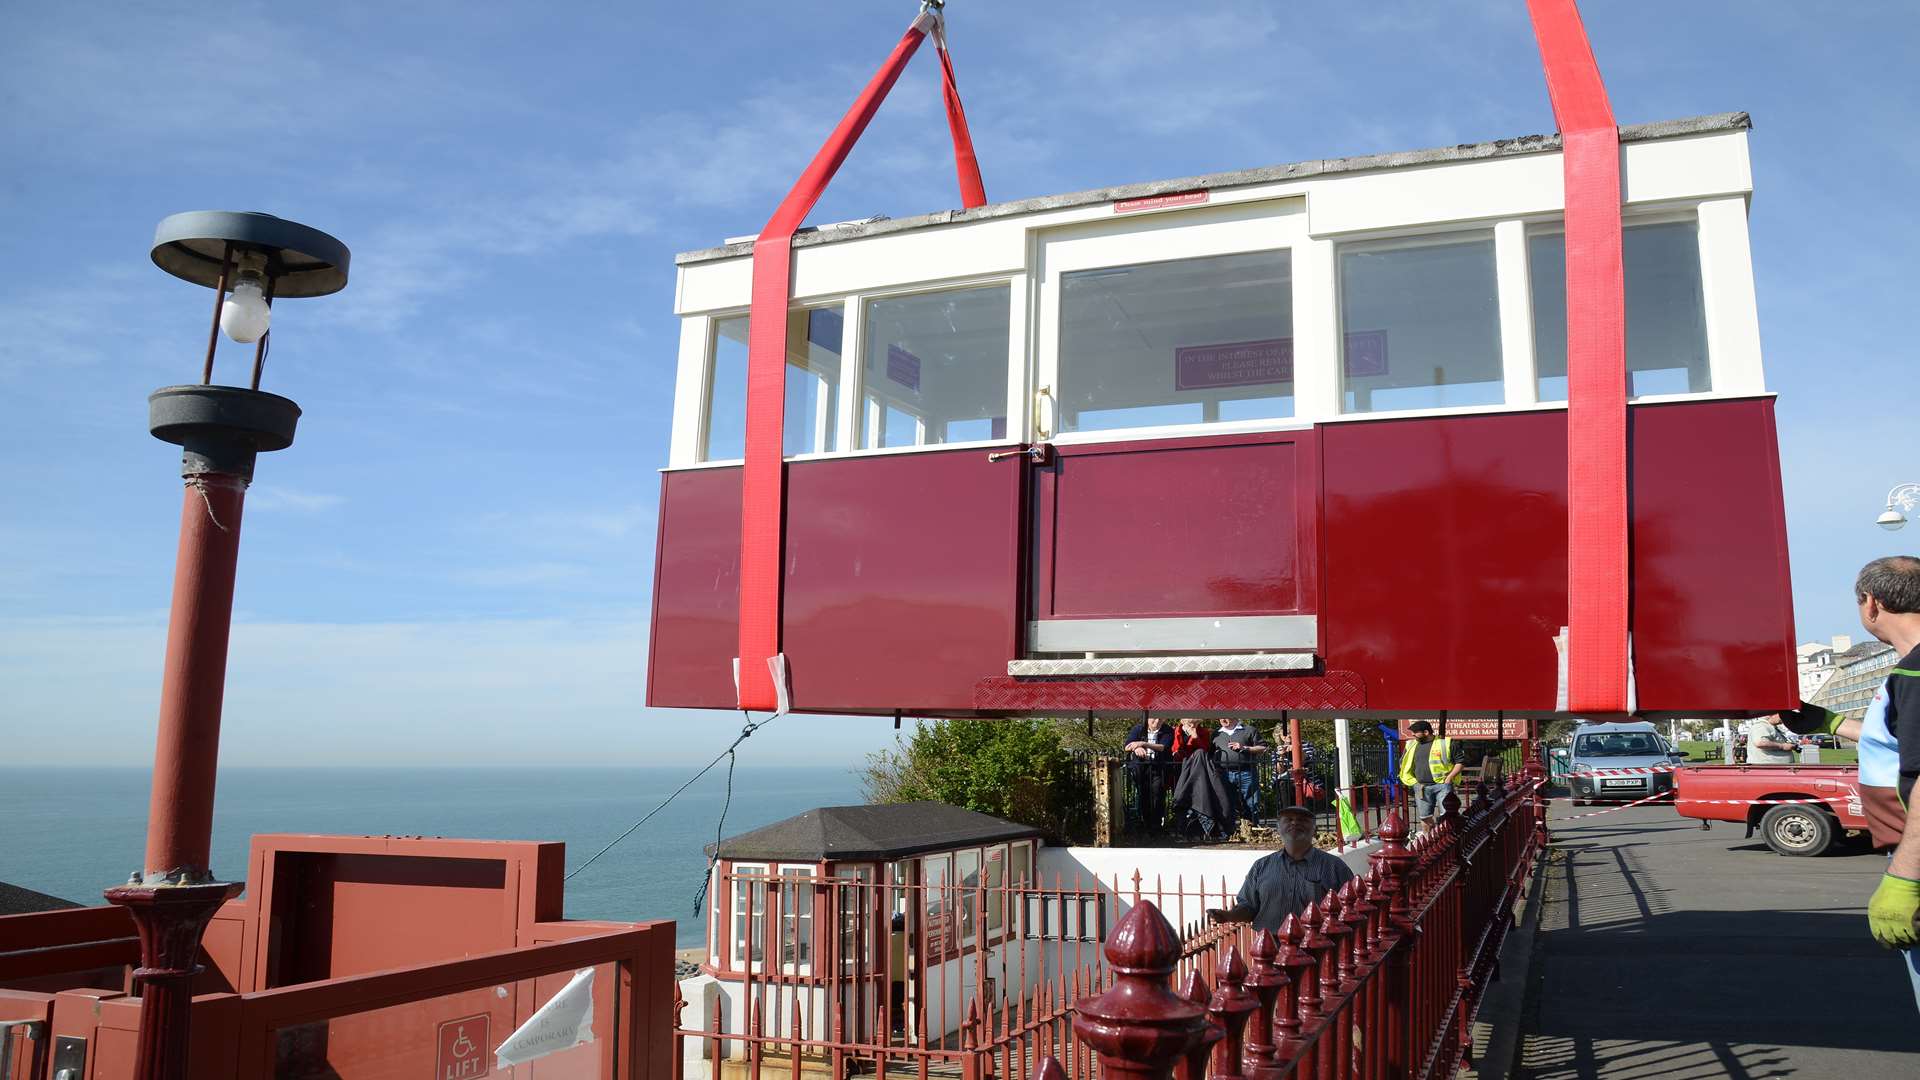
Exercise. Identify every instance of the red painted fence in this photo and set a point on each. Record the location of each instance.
(1381, 979)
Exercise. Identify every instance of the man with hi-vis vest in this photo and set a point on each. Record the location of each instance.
(1427, 768)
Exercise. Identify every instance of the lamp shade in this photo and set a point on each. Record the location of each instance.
(303, 261)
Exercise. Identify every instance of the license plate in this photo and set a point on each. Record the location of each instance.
(1622, 783)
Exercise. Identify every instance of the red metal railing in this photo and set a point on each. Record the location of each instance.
(383, 1025)
(1379, 979)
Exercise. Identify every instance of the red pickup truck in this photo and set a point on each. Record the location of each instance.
(1752, 793)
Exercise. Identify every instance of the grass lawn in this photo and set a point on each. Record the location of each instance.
(1701, 750)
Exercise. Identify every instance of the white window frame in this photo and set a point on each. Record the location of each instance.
(1438, 235)
(741, 915)
(1235, 228)
(799, 879)
(855, 413)
(1555, 225)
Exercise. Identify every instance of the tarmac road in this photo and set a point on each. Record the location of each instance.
(1668, 952)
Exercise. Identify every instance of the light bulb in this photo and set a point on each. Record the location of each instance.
(245, 315)
(1890, 519)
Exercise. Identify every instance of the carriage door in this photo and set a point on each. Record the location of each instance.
(1173, 527)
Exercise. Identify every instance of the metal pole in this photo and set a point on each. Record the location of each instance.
(193, 683)
(1343, 739)
(174, 895)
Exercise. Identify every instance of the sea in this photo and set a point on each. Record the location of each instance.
(71, 832)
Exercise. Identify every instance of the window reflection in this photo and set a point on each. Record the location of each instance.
(1185, 342)
(1666, 310)
(814, 340)
(1420, 323)
(936, 368)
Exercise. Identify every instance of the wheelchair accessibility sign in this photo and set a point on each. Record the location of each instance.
(463, 1049)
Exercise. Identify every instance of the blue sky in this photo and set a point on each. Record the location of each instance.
(452, 564)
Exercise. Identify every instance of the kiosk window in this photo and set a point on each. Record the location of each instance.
(1666, 310)
(1420, 324)
(814, 338)
(1185, 342)
(936, 368)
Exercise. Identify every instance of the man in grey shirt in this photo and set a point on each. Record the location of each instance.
(1767, 742)
(1285, 882)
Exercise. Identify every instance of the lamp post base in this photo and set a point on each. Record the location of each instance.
(171, 920)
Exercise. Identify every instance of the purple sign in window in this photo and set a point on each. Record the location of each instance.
(1265, 363)
(903, 367)
(1366, 353)
(1233, 363)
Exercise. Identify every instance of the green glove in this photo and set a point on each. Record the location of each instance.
(1811, 720)
(1891, 912)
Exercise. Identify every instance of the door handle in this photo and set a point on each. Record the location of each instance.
(1043, 413)
(1038, 453)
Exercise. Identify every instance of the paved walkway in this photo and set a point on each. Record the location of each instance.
(1672, 953)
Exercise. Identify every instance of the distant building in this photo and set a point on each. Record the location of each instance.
(1816, 663)
(1857, 673)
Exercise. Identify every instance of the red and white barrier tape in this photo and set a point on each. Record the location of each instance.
(1638, 770)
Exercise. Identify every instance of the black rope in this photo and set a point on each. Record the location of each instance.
(745, 733)
(700, 894)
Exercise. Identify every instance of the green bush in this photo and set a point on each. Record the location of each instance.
(1014, 769)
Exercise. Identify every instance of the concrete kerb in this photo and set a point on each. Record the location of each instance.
(1496, 1030)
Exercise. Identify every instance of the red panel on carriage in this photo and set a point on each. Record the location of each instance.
(1171, 528)
(1432, 550)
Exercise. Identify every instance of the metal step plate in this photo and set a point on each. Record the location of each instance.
(1163, 665)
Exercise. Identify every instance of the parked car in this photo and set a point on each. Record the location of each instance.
(1750, 793)
(1635, 749)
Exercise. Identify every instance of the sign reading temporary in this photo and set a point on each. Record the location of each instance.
(1268, 362)
(564, 1022)
(1159, 202)
(463, 1049)
(903, 367)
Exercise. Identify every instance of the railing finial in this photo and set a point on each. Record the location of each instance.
(1139, 1027)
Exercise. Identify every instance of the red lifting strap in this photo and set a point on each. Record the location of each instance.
(763, 485)
(1598, 660)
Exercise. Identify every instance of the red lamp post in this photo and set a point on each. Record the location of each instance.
(248, 260)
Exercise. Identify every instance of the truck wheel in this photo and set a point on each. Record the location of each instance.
(1797, 830)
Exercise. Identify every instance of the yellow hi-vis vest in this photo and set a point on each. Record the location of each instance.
(1439, 758)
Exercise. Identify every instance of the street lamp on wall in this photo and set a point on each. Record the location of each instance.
(247, 260)
(1900, 501)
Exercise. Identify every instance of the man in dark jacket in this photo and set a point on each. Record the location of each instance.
(1149, 750)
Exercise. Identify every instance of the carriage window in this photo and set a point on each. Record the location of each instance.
(1420, 322)
(1666, 312)
(1185, 342)
(936, 368)
(813, 384)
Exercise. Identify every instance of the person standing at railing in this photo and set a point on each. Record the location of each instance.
(1888, 595)
(1149, 750)
(1240, 749)
(1428, 768)
(1285, 882)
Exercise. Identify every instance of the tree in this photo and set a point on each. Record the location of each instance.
(1014, 769)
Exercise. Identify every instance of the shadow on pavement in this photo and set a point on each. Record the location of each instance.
(1633, 976)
